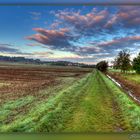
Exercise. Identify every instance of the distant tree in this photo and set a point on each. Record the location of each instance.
(102, 66)
(123, 61)
(116, 64)
(136, 64)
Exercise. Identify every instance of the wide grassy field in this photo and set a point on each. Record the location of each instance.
(63, 99)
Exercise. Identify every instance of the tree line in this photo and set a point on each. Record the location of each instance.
(122, 62)
(40, 62)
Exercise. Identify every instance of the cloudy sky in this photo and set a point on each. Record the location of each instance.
(85, 34)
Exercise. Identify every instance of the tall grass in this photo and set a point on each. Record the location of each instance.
(7, 108)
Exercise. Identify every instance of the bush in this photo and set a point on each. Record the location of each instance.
(102, 66)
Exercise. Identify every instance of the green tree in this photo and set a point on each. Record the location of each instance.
(123, 61)
(102, 66)
(136, 64)
(115, 64)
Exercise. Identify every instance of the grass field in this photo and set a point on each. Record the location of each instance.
(130, 75)
(59, 99)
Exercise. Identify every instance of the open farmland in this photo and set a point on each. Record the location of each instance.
(16, 82)
(63, 99)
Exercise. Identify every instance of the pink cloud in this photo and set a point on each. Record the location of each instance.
(120, 42)
(79, 21)
(128, 15)
(56, 39)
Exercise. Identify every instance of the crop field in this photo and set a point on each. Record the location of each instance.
(63, 99)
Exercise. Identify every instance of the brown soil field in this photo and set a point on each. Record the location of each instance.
(16, 82)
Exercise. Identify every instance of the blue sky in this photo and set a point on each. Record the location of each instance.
(85, 34)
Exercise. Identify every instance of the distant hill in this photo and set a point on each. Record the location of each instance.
(38, 61)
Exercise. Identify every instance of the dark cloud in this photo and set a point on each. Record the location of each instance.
(127, 16)
(55, 39)
(87, 50)
(84, 23)
(121, 43)
(108, 47)
(7, 48)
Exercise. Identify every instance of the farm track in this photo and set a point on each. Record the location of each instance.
(118, 125)
(98, 111)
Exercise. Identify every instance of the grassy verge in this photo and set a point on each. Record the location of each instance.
(130, 75)
(130, 110)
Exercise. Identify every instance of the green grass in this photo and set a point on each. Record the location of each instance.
(50, 115)
(94, 113)
(132, 77)
(7, 108)
(91, 104)
(119, 70)
(130, 110)
(105, 108)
